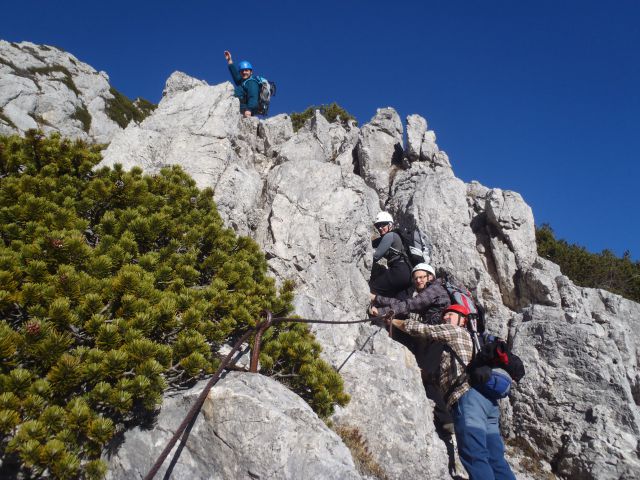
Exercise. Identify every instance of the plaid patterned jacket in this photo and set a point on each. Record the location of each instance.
(459, 340)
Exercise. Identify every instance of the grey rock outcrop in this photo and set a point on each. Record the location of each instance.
(388, 405)
(379, 148)
(193, 126)
(274, 131)
(250, 427)
(504, 226)
(436, 201)
(578, 409)
(318, 140)
(43, 87)
(421, 143)
(180, 82)
(416, 128)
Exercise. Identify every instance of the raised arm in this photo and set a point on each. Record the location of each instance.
(233, 70)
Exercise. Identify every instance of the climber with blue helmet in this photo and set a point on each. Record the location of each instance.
(247, 91)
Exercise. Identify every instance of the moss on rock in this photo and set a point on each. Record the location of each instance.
(122, 110)
(84, 117)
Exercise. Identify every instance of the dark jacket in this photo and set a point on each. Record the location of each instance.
(247, 91)
(388, 246)
(428, 303)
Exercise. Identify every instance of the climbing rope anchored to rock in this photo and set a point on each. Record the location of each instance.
(230, 360)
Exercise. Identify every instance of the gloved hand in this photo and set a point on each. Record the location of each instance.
(378, 322)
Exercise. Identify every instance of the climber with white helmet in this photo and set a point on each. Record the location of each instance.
(396, 277)
(248, 92)
(427, 299)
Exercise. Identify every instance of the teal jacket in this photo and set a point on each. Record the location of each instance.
(246, 90)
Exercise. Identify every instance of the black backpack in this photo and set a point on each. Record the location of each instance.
(493, 367)
(417, 248)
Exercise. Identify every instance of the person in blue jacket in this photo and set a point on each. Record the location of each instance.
(247, 87)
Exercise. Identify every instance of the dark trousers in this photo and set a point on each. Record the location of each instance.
(428, 357)
(388, 282)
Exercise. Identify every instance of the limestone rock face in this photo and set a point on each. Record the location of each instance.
(389, 407)
(507, 213)
(328, 245)
(249, 427)
(578, 408)
(196, 127)
(379, 147)
(436, 201)
(275, 131)
(504, 227)
(308, 198)
(46, 88)
(421, 143)
(317, 140)
(538, 284)
(416, 128)
(312, 216)
(180, 82)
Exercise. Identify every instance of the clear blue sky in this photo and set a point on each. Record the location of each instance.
(541, 97)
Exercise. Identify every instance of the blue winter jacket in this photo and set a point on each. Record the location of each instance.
(246, 90)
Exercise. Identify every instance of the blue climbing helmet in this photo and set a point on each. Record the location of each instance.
(244, 65)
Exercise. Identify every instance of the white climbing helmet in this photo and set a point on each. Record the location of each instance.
(425, 267)
(383, 217)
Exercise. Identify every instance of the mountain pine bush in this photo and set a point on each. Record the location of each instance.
(122, 110)
(115, 286)
(332, 112)
(604, 270)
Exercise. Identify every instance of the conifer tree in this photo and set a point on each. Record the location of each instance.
(604, 270)
(332, 112)
(115, 286)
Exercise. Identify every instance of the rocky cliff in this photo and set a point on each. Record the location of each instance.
(46, 88)
(308, 198)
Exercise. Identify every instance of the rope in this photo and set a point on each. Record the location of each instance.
(195, 408)
(361, 348)
(337, 322)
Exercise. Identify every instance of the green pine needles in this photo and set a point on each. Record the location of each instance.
(331, 112)
(605, 270)
(115, 286)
